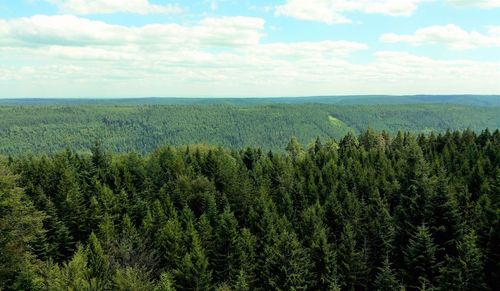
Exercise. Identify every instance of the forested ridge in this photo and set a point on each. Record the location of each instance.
(476, 100)
(142, 128)
(372, 211)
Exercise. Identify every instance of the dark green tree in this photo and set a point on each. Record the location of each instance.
(351, 263)
(20, 224)
(420, 257)
(466, 270)
(386, 278)
(287, 265)
(192, 272)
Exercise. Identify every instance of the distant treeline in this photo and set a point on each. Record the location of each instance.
(49, 129)
(369, 212)
(476, 100)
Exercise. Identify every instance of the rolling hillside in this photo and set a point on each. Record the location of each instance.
(51, 128)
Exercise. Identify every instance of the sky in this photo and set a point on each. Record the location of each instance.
(226, 48)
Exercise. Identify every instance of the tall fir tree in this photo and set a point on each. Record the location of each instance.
(466, 270)
(287, 265)
(420, 258)
(386, 278)
(192, 272)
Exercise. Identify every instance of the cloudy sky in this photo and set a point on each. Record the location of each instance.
(237, 48)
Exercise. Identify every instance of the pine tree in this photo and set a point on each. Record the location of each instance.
(169, 243)
(420, 258)
(20, 224)
(74, 209)
(247, 258)
(287, 265)
(443, 219)
(386, 278)
(294, 148)
(323, 258)
(166, 283)
(333, 216)
(207, 238)
(351, 264)
(77, 274)
(131, 278)
(466, 271)
(192, 272)
(242, 283)
(226, 262)
(380, 232)
(98, 263)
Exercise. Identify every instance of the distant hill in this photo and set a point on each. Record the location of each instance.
(476, 100)
(46, 128)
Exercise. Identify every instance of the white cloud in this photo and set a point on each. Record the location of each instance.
(334, 49)
(331, 11)
(449, 35)
(68, 30)
(475, 3)
(56, 56)
(82, 7)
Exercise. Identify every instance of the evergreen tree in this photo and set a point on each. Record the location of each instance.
(351, 264)
(98, 262)
(132, 279)
(226, 263)
(294, 148)
(420, 257)
(386, 278)
(466, 271)
(443, 219)
(287, 265)
(165, 283)
(324, 261)
(192, 272)
(77, 274)
(20, 224)
(242, 282)
(73, 208)
(247, 259)
(169, 243)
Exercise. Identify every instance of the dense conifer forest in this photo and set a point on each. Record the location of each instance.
(373, 211)
(52, 128)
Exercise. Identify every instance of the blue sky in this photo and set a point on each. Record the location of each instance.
(210, 48)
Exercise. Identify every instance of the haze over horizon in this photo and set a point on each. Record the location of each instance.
(227, 48)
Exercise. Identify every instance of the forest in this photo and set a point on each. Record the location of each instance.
(48, 129)
(373, 210)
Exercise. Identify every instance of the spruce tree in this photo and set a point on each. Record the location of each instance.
(247, 258)
(287, 265)
(98, 262)
(192, 272)
(386, 278)
(420, 258)
(466, 270)
(351, 263)
(323, 259)
(443, 219)
(226, 262)
(20, 224)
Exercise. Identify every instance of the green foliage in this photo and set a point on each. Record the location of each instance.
(142, 128)
(466, 270)
(386, 278)
(193, 272)
(20, 224)
(372, 212)
(287, 265)
(420, 257)
(132, 279)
